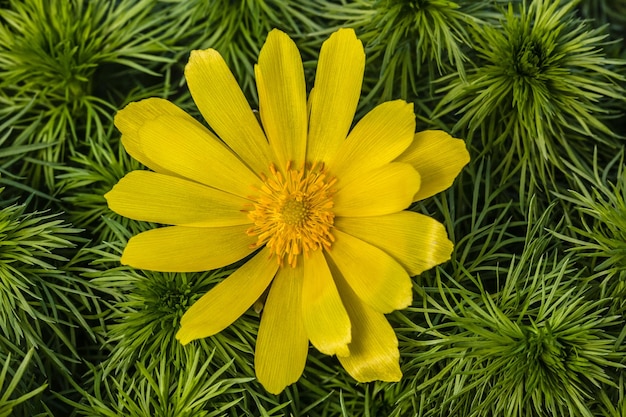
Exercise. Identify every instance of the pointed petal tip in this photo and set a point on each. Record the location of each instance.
(438, 157)
(348, 34)
(395, 376)
(339, 348)
(183, 336)
(202, 53)
(136, 112)
(347, 30)
(276, 32)
(199, 60)
(390, 374)
(274, 389)
(408, 300)
(120, 114)
(346, 39)
(342, 351)
(124, 258)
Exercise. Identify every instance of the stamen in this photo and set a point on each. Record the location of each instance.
(292, 214)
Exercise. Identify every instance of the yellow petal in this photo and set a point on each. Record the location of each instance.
(416, 241)
(225, 108)
(374, 354)
(438, 157)
(188, 249)
(325, 319)
(378, 280)
(132, 117)
(154, 197)
(182, 145)
(228, 300)
(282, 344)
(383, 190)
(377, 139)
(282, 97)
(335, 95)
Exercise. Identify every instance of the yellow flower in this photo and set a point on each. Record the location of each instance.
(319, 206)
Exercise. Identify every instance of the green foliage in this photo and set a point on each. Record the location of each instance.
(8, 405)
(164, 389)
(44, 308)
(482, 220)
(599, 231)
(38, 301)
(536, 94)
(535, 346)
(409, 40)
(238, 29)
(83, 187)
(613, 406)
(130, 380)
(610, 11)
(53, 56)
(149, 306)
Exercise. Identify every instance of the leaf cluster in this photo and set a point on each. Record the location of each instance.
(537, 344)
(538, 92)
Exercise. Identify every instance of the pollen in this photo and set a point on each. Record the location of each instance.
(292, 212)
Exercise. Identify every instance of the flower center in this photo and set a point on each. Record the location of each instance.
(293, 212)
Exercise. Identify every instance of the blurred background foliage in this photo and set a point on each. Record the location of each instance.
(527, 319)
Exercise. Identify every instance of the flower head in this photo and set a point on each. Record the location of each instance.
(317, 207)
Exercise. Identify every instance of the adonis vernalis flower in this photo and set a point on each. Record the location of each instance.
(318, 209)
